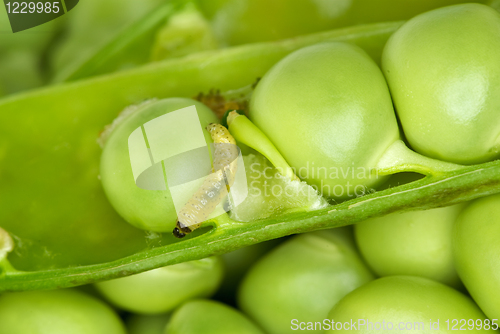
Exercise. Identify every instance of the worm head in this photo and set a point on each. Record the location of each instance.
(181, 230)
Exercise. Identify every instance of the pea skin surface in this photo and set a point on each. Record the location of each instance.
(56, 312)
(163, 289)
(406, 299)
(146, 209)
(443, 70)
(327, 109)
(414, 243)
(302, 279)
(476, 248)
(209, 317)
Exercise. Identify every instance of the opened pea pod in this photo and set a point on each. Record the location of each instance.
(323, 113)
(73, 115)
(321, 119)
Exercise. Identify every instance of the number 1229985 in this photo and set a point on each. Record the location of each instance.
(32, 7)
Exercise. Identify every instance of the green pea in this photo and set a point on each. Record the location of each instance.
(163, 289)
(443, 70)
(328, 110)
(476, 249)
(324, 106)
(56, 312)
(209, 317)
(302, 279)
(416, 243)
(146, 209)
(417, 304)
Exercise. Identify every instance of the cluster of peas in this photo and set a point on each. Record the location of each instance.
(300, 282)
(429, 261)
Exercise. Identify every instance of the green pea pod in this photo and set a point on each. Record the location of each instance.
(53, 206)
(129, 48)
(103, 28)
(209, 317)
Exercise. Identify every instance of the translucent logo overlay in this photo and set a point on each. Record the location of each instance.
(28, 14)
(171, 152)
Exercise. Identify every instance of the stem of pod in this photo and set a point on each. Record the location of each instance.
(244, 131)
(399, 158)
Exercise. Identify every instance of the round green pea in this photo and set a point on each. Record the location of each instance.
(209, 317)
(328, 110)
(56, 312)
(476, 249)
(302, 279)
(443, 70)
(163, 289)
(405, 304)
(146, 209)
(416, 243)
